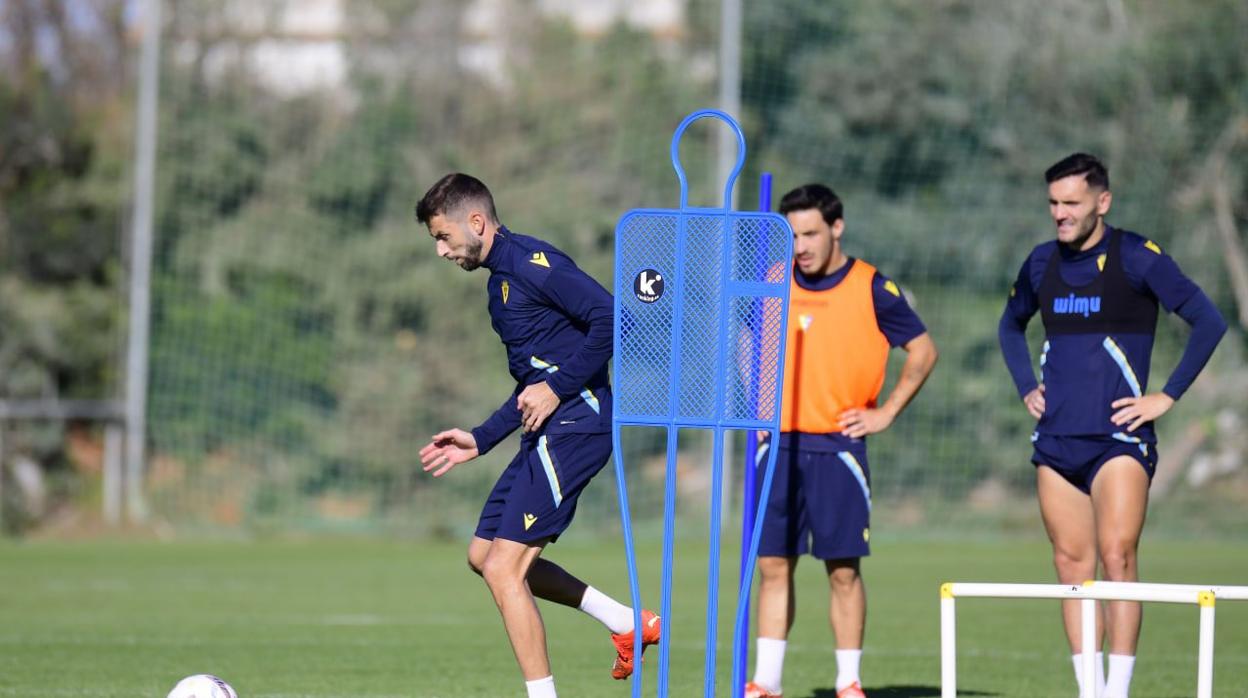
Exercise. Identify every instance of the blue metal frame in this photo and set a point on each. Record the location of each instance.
(749, 465)
(673, 421)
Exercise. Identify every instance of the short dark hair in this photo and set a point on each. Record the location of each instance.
(449, 195)
(1092, 169)
(816, 196)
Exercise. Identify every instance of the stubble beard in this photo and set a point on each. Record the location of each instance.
(472, 257)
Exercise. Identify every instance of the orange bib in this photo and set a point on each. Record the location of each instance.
(835, 356)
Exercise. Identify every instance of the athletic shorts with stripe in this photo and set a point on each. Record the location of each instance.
(1079, 458)
(535, 497)
(820, 501)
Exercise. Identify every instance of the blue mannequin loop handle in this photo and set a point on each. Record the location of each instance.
(680, 170)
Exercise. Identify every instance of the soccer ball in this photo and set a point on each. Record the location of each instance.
(202, 686)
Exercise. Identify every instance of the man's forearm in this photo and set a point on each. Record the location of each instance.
(921, 357)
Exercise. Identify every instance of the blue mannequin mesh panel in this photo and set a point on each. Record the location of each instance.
(700, 296)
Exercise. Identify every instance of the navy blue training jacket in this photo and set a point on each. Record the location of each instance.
(556, 323)
(1075, 367)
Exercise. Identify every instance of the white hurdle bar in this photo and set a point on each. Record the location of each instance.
(1225, 593)
(1088, 594)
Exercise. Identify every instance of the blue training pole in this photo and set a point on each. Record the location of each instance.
(750, 467)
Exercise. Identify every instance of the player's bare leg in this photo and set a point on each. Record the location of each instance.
(847, 612)
(776, 600)
(848, 609)
(776, 610)
(1070, 521)
(505, 569)
(477, 550)
(547, 580)
(1120, 497)
(551, 582)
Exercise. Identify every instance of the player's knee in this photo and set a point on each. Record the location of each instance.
(844, 577)
(774, 570)
(1074, 566)
(476, 557)
(1118, 559)
(499, 572)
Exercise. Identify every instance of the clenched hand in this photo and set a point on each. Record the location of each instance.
(536, 403)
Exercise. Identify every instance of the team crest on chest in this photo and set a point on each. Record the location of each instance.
(506, 288)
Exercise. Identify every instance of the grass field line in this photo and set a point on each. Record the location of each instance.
(59, 692)
(182, 583)
(364, 620)
(330, 695)
(157, 641)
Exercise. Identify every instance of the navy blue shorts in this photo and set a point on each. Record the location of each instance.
(820, 502)
(535, 497)
(1079, 458)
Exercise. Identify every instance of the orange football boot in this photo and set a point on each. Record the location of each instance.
(651, 631)
(753, 690)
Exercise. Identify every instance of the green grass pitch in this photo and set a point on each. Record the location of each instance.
(373, 619)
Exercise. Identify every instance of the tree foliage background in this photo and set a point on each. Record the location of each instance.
(306, 341)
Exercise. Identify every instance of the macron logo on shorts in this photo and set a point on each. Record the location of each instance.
(529, 520)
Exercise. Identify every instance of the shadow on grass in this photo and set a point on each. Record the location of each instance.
(900, 692)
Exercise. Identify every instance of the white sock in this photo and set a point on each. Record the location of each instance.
(616, 616)
(1118, 684)
(1077, 659)
(541, 688)
(770, 663)
(847, 667)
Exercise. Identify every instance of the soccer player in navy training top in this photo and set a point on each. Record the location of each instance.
(1097, 289)
(556, 323)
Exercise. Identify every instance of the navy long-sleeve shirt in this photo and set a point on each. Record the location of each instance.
(556, 323)
(1148, 270)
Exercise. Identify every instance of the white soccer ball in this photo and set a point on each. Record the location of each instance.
(202, 686)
